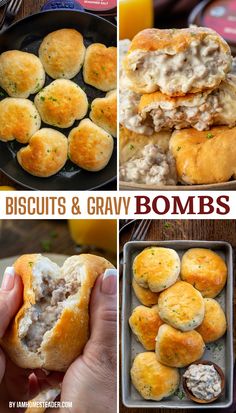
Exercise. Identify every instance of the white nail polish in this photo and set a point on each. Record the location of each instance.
(110, 272)
(10, 271)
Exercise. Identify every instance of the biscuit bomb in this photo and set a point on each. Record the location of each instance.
(52, 326)
(177, 62)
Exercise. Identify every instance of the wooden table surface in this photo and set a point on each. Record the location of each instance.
(208, 230)
(29, 7)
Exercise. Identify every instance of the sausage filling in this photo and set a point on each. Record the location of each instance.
(129, 116)
(50, 300)
(203, 110)
(153, 167)
(202, 65)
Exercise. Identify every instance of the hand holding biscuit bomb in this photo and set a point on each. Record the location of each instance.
(95, 368)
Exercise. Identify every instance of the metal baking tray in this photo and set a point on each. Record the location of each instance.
(220, 352)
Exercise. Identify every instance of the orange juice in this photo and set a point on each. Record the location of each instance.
(100, 233)
(135, 15)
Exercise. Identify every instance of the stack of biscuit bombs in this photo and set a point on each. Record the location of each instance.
(178, 314)
(177, 79)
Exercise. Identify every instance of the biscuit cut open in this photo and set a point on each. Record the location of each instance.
(177, 61)
(52, 326)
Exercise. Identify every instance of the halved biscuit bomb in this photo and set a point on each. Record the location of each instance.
(177, 61)
(52, 327)
(153, 112)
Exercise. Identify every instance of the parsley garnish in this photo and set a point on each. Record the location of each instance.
(167, 225)
(46, 245)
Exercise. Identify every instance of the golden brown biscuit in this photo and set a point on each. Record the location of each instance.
(181, 306)
(151, 379)
(19, 119)
(52, 326)
(144, 295)
(62, 53)
(21, 73)
(156, 268)
(90, 147)
(205, 270)
(177, 61)
(104, 112)
(145, 322)
(61, 103)
(176, 348)
(196, 152)
(46, 153)
(214, 323)
(100, 67)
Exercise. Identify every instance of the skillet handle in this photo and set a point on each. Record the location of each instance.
(62, 4)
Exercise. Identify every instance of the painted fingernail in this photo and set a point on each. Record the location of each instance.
(109, 282)
(8, 279)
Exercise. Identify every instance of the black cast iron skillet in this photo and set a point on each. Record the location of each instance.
(27, 35)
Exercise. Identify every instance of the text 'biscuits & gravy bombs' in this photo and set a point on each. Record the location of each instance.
(52, 326)
(177, 61)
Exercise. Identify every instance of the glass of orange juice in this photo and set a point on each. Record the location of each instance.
(135, 15)
(98, 233)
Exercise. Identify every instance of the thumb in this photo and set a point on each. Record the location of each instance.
(103, 311)
(10, 298)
